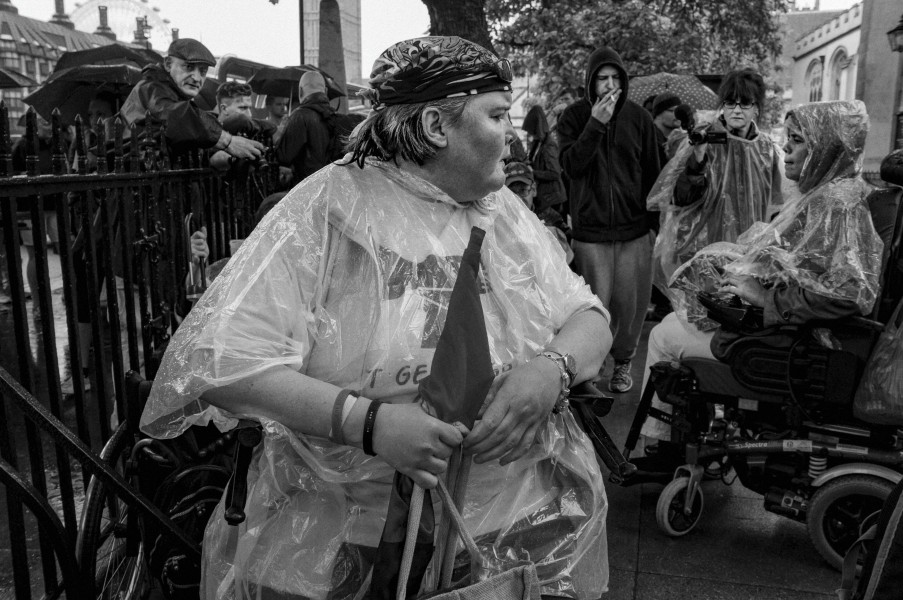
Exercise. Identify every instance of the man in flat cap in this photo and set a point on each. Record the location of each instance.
(167, 91)
(333, 308)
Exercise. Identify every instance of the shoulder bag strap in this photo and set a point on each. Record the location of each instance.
(413, 523)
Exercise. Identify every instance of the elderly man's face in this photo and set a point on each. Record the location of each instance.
(240, 105)
(478, 143)
(189, 77)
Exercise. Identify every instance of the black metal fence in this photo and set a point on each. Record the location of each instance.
(104, 295)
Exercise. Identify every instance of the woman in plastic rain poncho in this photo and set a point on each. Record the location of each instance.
(714, 192)
(818, 259)
(344, 285)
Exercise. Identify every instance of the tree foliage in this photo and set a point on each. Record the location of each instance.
(552, 38)
(464, 18)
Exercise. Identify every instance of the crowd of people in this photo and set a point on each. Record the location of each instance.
(327, 318)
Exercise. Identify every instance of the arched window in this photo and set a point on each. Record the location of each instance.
(814, 80)
(838, 83)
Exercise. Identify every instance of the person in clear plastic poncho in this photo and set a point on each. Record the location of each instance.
(818, 259)
(714, 192)
(345, 284)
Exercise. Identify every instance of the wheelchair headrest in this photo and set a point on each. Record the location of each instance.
(887, 217)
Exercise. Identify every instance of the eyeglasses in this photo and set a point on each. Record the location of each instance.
(503, 70)
(742, 105)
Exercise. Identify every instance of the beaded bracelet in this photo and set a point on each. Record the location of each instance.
(337, 409)
(369, 422)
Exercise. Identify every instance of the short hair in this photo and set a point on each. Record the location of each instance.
(743, 85)
(272, 98)
(397, 130)
(232, 89)
(567, 90)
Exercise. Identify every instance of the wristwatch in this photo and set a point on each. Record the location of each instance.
(565, 360)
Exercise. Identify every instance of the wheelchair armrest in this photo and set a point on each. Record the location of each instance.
(588, 394)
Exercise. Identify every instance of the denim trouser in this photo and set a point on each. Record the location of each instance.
(620, 273)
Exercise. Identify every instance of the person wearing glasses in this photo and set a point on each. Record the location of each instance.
(609, 152)
(712, 192)
(819, 259)
(336, 301)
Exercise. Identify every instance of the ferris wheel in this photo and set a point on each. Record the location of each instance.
(121, 18)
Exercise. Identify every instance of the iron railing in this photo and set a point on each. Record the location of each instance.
(123, 209)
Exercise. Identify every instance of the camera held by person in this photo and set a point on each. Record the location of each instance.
(702, 135)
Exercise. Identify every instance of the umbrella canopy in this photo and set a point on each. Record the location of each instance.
(112, 54)
(688, 87)
(71, 90)
(284, 82)
(14, 79)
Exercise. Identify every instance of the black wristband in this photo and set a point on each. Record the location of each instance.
(337, 408)
(369, 422)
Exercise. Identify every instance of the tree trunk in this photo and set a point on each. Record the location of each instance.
(464, 18)
(332, 54)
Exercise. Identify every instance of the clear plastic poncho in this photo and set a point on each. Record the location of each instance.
(745, 181)
(823, 241)
(347, 280)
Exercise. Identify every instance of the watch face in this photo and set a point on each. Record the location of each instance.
(570, 365)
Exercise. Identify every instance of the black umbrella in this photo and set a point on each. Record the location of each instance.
(284, 82)
(460, 377)
(112, 54)
(71, 90)
(14, 79)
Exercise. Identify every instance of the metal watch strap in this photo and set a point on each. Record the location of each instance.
(563, 361)
(562, 402)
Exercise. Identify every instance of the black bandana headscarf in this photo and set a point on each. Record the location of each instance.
(430, 68)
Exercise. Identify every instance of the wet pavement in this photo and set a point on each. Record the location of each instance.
(737, 551)
(34, 355)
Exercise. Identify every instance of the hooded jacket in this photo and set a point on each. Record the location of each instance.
(820, 258)
(187, 126)
(543, 157)
(304, 146)
(612, 166)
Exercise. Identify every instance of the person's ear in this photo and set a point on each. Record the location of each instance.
(435, 129)
(167, 63)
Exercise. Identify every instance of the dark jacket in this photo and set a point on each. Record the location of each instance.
(304, 145)
(611, 166)
(543, 157)
(187, 126)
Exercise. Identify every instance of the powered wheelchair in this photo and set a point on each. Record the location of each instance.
(778, 417)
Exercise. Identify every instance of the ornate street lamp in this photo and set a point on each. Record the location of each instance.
(895, 37)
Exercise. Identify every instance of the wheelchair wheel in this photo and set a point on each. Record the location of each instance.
(103, 535)
(669, 510)
(837, 512)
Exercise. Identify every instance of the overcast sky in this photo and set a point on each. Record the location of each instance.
(261, 31)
